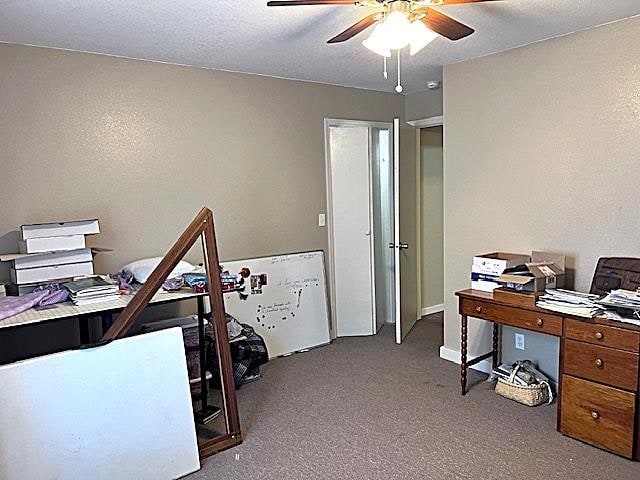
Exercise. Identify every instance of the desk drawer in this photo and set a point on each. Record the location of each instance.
(515, 317)
(598, 415)
(601, 364)
(628, 340)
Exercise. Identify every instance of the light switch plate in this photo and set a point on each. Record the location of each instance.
(519, 341)
(322, 220)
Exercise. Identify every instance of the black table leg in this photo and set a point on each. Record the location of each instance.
(107, 321)
(207, 413)
(83, 327)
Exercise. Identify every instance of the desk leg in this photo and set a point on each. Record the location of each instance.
(496, 345)
(463, 354)
(107, 321)
(83, 327)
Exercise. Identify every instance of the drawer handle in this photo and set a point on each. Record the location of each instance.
(599, 335)
(595, 415)
(540, 322)
(599, 363)
(479, 309)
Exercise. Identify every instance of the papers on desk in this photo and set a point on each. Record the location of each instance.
(622, 299)
(626, 304)
(570, 303)
(612, 315)
(92, 290)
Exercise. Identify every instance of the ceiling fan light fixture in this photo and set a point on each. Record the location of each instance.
(377, 41)
(396, 28)
(419, 36)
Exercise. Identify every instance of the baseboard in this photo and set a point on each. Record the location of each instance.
(433, 309)
(454, 356)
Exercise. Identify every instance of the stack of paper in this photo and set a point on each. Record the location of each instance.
(91, 290)
(622, 299)
(570, 302)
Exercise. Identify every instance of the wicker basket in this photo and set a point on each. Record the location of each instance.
(531, 395)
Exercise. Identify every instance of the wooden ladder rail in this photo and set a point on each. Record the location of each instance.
(202, 226)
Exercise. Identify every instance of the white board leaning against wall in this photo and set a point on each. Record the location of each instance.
(122, 410)
(285, 301)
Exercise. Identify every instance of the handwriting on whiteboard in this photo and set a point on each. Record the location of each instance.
(289, 258)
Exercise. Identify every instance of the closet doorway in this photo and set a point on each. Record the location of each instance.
(372, 248)
(431, 219)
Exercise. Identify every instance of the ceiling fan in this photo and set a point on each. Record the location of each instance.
(399, 23)
(412, 10)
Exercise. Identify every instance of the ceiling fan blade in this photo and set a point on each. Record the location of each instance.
(355, 29)
(444, 25)
(293, 3)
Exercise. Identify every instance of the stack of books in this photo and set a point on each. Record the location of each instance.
(91, 290)
(50, 253)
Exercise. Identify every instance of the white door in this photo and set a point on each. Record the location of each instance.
(406, 175)
(350, 229)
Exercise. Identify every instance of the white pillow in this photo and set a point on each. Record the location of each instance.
(141, 269)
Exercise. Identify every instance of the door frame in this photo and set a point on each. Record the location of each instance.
(435, 121)
(340, 122)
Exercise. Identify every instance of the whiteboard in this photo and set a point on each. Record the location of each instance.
(122, 410)
(290, 310)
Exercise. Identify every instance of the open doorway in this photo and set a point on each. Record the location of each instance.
(372, 219)
(361, 225)
(431, 220)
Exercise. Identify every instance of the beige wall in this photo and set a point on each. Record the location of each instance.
(542, 151)
(423, 105)
(431, 217)
(143, 146)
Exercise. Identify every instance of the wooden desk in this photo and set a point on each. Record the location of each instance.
(599, 368)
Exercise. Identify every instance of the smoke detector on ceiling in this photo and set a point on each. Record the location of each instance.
(434, 85)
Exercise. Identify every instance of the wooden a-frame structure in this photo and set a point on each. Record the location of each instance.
(202, 226)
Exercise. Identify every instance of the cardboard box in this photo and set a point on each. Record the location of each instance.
(545, 271)
(46, 274)
(63, 229)
(521, 299)
(51, 244)
(484, 282)
(497, 262)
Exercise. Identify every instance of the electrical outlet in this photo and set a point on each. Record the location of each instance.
(519, 341)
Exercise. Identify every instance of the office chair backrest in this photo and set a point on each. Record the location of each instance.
(616, 272)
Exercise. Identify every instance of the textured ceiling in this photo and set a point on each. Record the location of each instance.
(289, 42)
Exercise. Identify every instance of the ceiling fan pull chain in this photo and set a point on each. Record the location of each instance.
(384, 68)
(399, 85)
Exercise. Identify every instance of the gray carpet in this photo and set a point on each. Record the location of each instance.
(365, 408)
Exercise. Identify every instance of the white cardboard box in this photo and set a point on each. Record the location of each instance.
(35, 260)
(497, 262)
(484, 282)
(484, 286)
(52, 244)
(54, 272)
(40, 230)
